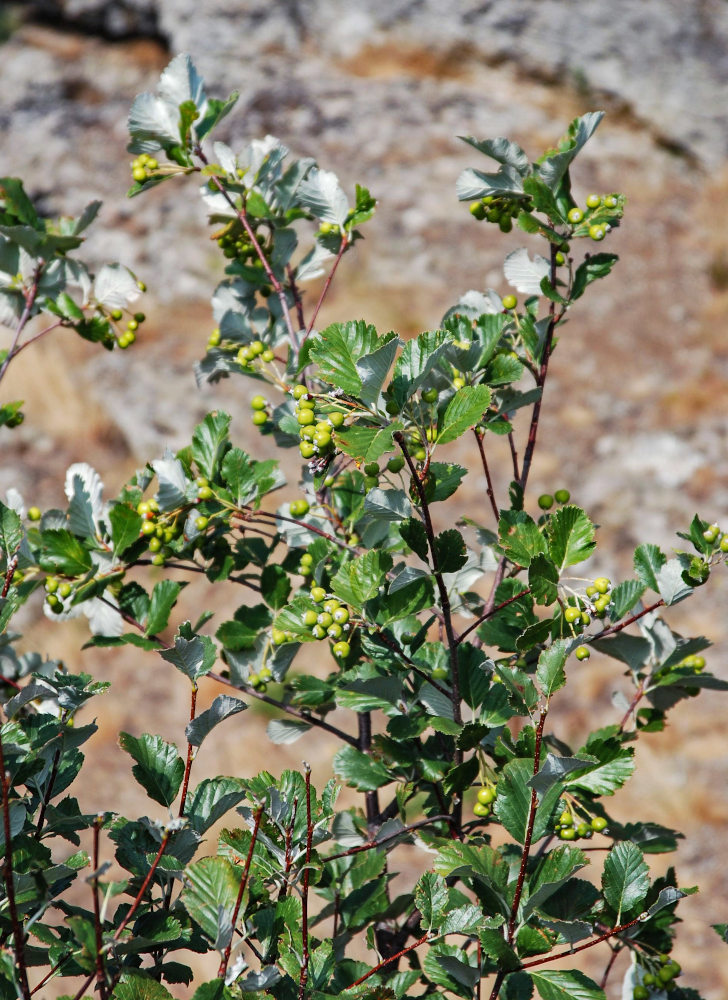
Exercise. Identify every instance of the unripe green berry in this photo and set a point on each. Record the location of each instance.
(155, 544)
(334, 631)
(258, 403)
(116, 314)
(482, 809)
(341, 649)
(139, 174)
(575, 216)
(392, 407)
(567, 834)
(299, 391)
(336, 418)
(267, 355)
(310, 618)
(486, 795)
(34, 514)
(597, 232)
(477, 210)
(602, 584)
(458, 382)
(318, 631)
(278, 636)
(545, 501)
(370, 482)
(299, 508)
(509, 301)
(598, 823)
(201, 522)
(640, 993)
(582, 652)
(430, 395)
(562, 496)
(318, 594)
(307, 449)
(259, 418)
(395, 464)
(440, 673)
(340, 615)
(593, 201)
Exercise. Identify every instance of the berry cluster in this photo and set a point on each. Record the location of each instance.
(694, 663)
(315, 428)
(659, 979)
(714, 536)
(162, 529)
(57, 591)
(570, 827)
(546, 500)
(599, 214)
(499, 210)
(259, 680)
(143, 168)
(249, 353)
(128, 335)
(486, 797)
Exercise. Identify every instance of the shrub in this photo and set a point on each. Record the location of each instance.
(444, 648)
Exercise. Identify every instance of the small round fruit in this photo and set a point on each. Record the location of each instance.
(560, 259)
(155, 544)
(200, 523)
(299, 508)
(325, 619)
(34, 514)
(371, 469)
(665, 975)
(305, 417)
(458, 382)
(486, 795)
(477, 210)
(439, 673)
(481, 809)
(509, 301)
(307, 449)
(258, 403)
(602, 583)
(640, 993)
(318, 631)
(430, 395)
(419, 454)
(723, 542)
(341, 649)
(299, 391)
(566, 818)
(568, 834)
(265, 674)
(572, 615)
(583, 829)
(318, 594)
(562, 496)
(204, 493)
(340, 615)
(306, 559)
(545, 501)
(139, 174)
(158, 559)
(278, 636)
(575, 216)
(116, 314)
(148, 528)
(64, 590)
(392, 407)
(598, 824)
(597, 232)
(310, 618)
(582, 652)
(334, 631)
(267, 355)
(370, 482)
(593, 201)
(395, 464)
(610, 201)
(649, 979)
(336, 418)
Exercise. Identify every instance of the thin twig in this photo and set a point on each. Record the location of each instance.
(489, 614)
(491, 495)
(18, 934)
(304, 888)
(327, 285)
(100, 972)
(514, 456)
(582, 947)
(190, 753)
(391, 958)
(372, 844)
(222, 970)
(24, 316)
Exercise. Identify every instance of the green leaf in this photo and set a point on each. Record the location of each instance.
(321, 193)
(284, 731)
(61, 552)
(138, 986)
(373, 369)
(648, 561)
(387, 505)
(164, 597)
(550, 673)
(410, 599)
(624, 597)
(554, 167)
(159, 768)
(11, 530)
(447, 479)
(614, 767)
(566, 985)
(625, 878)
(209, 896)
(555, 769)
(337, 350)
(275, 586)
(242, 631)
(496, 947)
(520, 537)
(367, 443)
(464, 410)
(360, 579)
(570, 535)
(555, 870)
(502, 150)
(431, 899)
(222, 708)
(512, 806)
(543, 578)
(418, 358)
(450, 551)
(413, 533)
(543, 199)
(594, 267)
(195, 657)
(125, 527)
(359, 770)
(237, 472)
(212, 798)
(210, 442)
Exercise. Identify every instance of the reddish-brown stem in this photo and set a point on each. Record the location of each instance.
(304, 889)
(529, 829)
(304, 524)
(51, 972)
(497, 580)
(327, 284)
(190, 754)
(582, 947)
(514, 456)
(145, 884)
(18, 934)
(390, 959)
(24, 317)
(288, 709)
(288, 862)
(298, 301)
(489, 614)
(242, 217)
(540, 380)
(491, 495)
(613, 629)
(9, 574)
(372, 844)
(609, 966)
(364, 725)
(636, 698)
(100, 972)
(238, 902)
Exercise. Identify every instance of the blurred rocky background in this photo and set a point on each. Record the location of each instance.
(636, 415)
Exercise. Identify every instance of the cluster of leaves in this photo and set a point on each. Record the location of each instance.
(446, 652)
